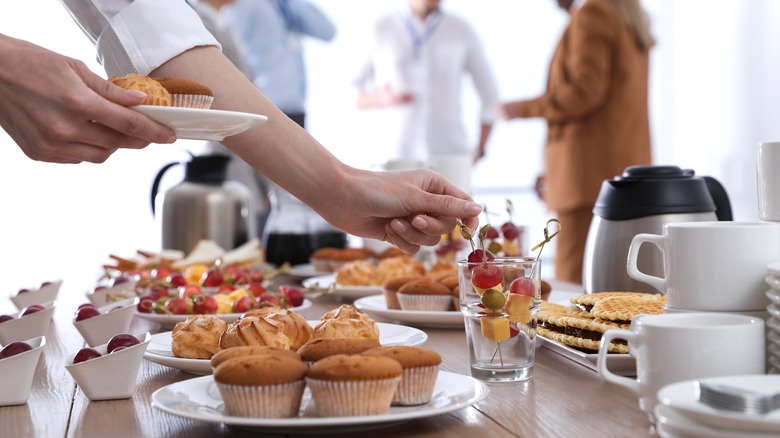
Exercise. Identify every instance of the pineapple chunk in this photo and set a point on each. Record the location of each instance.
(519, 308)
(224, 303)
(495, 328)
(194, 273)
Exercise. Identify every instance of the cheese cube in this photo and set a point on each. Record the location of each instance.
(495, 328)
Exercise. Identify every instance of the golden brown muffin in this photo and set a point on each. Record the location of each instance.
(358, 273)
(320, 348)
(197, 337)
(186, 93)
(389, 252)
(421, 367)
(352, 254)
(399, 266)
(449, 281)
(279, 329)
(348, 385)
(250, 350)
(323, 259)
(261, 386)
(425, 295)
(390, 289)
(346, 322)
(156, 94)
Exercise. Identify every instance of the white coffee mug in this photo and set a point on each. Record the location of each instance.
(671, 348)
(768, 175)
(716, 266)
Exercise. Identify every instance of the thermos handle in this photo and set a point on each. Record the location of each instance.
(633, 256)
(604, 371)
(157, 179)
(721, 199)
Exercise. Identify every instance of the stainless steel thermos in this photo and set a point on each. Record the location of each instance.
(205, 205)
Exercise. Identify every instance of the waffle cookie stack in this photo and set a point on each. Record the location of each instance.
(581, 326)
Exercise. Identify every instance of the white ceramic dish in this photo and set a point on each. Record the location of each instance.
(168, 321)
(111, 376)
(773, 324)
(114, 318)
(675, 424)
(774, 268)
(763, 314)
(622, 364)
(37, 296)
(28, 326)
(376, 306)
(159, 350)
(18, 372)
(304, 271)
(111, 294)
(774, 339)
(774, 296)
(773, 310)
(773, 281)
(199, 399)
(353, 292)
(202, 124)
(683, 398)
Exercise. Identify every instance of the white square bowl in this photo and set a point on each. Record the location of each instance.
(18, 371)
(111, 294)
(114, 318)
(37, 296)
(28, 326)
(111, 376)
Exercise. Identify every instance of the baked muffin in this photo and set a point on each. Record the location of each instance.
(322, 259)
(346, 322)
(389, 252)
(321, 348)
(348, 255)
(197, 337)
(156, 94)
(358, 273)
(186, 93)
(349, 385)
(279, 329)
(421, 367)
(425, 295)
(261, 386)
(399, 266)
(390, 289)
(249, 350)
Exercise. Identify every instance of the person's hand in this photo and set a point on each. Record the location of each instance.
(407, 208)
(506, 110)
(386, 96)
(57, 110)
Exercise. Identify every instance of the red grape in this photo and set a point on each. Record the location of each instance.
(479, 256)
(244, 304)
(293, 295)
(85, 313)
(31, 309)
(23, 291)
(176, 306)
(509, 230)
(177, 280)
(491, 233)
(85, 354)
(212, 278)
(14, 348)
(256, 289)
(268, 298)
(523, 286)
(204, 304)
(4, 318)
(121, 340)
(486, 276)
(145, 304)
(85, 305)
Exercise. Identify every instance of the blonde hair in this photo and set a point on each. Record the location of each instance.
(637, 20)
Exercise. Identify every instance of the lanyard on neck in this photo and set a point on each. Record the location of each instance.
(419, 39)
(290, 20)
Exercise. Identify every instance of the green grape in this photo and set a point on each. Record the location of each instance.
(493, 299)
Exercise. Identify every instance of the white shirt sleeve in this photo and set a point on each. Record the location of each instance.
(138, 35)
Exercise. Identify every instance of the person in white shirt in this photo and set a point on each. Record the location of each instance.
(419, 57)
(60, 111)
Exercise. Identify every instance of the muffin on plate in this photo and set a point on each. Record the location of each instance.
(350, 385)
(321, 348)
(390, 290)
(197, 337)
(346, 322)
(156, 94)
(421, 367)
(250, 350)
(425, 295)
(186, 93)
(261, 386)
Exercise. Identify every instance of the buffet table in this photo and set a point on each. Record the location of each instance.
(564, 398)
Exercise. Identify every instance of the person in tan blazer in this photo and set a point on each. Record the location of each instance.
(595, 105)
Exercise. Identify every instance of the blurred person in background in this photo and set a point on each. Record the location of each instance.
(271, 33)
(209, 12)
(418, 58)
(596, 110)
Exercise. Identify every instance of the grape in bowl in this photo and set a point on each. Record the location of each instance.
(30, 322)
(17, 366)
(98, 324)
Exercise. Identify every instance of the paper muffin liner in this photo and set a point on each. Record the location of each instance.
(352, 398)
(416, 387)
(430, 303)
(262, 401)
(391, 299)
(321, 265)
(191, 101)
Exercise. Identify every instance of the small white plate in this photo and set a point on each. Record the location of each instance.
(774, 296)
(773, 281)
(774, 339)
(159, 350)
(773, 310)
(773, 324)
(353, 292)
(199, 399)
(674, 423)
(622, 364)
(202, 124)
(304, 271)
(683, 397)
(168, 321)
(376, 306)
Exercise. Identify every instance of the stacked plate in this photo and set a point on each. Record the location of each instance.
(680, 413)
(773, 323)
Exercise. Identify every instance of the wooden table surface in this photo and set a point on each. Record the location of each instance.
(563, 399)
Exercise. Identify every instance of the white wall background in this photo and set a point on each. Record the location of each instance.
(714, 87)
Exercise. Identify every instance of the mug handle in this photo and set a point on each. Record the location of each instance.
(604, 371)
(633, 255)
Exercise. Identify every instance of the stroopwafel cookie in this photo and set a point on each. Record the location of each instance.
(587, 301)
(624, 308)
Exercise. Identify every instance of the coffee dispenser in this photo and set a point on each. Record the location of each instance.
(642, 200)
(205, 205)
